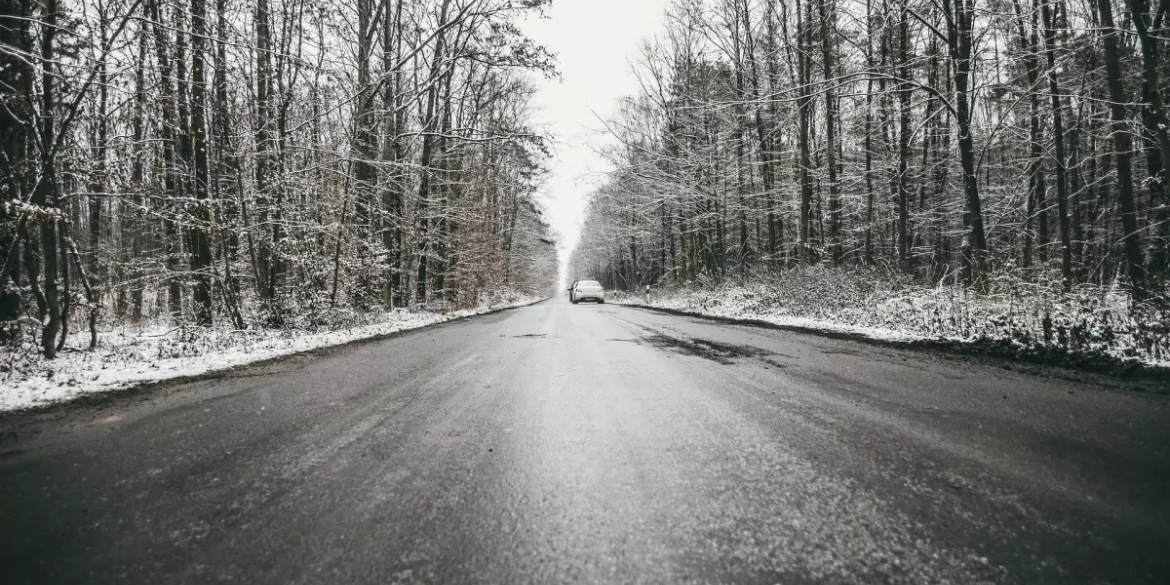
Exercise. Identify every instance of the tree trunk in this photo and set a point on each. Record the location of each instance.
(1157, 129)
(803, 104)
(1058, 138)
(201, 260)
(962, 13)
(265, 266)
(904, 95)
(1122, 146)
(828, 31)
(45, 193)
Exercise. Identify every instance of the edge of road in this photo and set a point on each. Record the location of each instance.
(145, 390)
(1144, 377)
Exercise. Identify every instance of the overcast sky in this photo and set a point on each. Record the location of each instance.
(594, 42)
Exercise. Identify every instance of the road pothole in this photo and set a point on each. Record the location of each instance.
(723, 353)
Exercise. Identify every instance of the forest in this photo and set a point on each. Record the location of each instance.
(264, 163)
(940, 142)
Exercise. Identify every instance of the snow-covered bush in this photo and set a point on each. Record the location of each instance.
(1016, 315)
(130, 354)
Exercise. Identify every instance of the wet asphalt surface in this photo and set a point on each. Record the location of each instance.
(561, 443)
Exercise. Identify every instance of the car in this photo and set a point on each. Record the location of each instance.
(586, 290)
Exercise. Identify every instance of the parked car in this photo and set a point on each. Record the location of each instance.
(586, 290)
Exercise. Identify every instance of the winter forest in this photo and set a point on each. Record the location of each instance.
(1007, 148)
(264, 163)
(957, 168)
(937, 139)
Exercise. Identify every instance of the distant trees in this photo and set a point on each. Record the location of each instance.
(940, 140)
(254, 160)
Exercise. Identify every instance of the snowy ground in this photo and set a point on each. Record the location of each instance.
(128, 355)
(732, 310)
(1075, 329)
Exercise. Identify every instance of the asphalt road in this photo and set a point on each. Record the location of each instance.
(561, 443)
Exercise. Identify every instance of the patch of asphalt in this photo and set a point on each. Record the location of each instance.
(138, 393)
(1052, 363)
(467, 455)
(722, 353)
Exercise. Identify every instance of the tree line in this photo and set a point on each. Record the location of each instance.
(942, 140)
(259, 162)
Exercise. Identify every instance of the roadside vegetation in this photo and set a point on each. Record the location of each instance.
(132, 354)
(991, 171)
(1091, 327)
(186, 174)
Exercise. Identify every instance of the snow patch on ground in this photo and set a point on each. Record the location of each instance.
(682, 304)
(131, 355)
(687, 304)
(1080, 327)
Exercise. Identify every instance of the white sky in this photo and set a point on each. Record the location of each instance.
(594, 42)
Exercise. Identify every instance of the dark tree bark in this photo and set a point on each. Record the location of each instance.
(16, 79)
(1123, 146)
(1062, 195)
(828, 12)
(1157, 130)
(172, 184)
(266, 265)
(393, 193)
(1035, 208)
(201, 260)
(428, 147)
(137, 176)
(804, 104)
(45, 192)
(961, 16)
(904, 95)
(767, 172)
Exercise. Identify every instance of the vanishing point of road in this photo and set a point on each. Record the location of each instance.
(596, 444)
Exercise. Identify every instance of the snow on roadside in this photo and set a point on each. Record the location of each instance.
(1019, 327)
(129, 356)
(688, 304)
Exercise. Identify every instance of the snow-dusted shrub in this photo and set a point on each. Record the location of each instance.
(1012, 313)
(129, 354)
